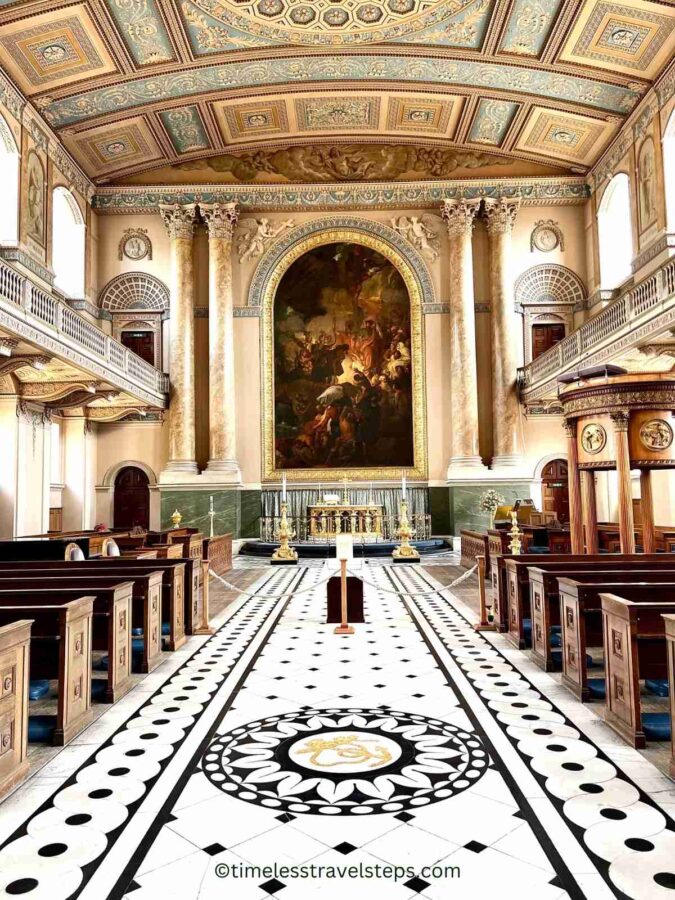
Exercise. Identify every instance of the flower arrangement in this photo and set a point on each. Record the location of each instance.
(489, 501)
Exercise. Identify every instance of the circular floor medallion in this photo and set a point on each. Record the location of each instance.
(345, 761)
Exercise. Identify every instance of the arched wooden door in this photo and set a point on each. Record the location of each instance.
(132, 498)
(555, 490)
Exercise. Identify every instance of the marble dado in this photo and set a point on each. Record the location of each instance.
(237, 511)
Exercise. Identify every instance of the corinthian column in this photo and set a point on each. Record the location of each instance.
(221, 219)
(501, 215)
(458, 216)
(180, 221)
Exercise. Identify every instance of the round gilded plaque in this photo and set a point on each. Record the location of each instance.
(656, 434)
(593, 438)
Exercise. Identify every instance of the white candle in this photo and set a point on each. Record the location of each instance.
(211, 504)
(403, 483)
(283, 487)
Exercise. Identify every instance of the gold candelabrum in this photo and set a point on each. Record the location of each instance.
(404, 552)
(285, 554)
(176, 518)
(516, 535)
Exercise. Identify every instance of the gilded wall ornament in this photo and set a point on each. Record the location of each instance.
(593, 438)
(421, 232)
(656, 434)
(135, 244)
(546, 236)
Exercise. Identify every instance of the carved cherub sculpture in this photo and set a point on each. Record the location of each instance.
(258, 233)
(420, 232)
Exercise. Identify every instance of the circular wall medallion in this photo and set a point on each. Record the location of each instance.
(593, 438)
(135, 245)
(345, 761)
(656, 434)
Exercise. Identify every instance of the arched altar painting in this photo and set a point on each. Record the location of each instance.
(342, 362)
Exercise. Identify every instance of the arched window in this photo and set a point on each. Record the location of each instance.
(615, 233)
(669, 171)
(68, 241)
(9, 179)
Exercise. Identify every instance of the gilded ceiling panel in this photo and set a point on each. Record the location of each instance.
(529, 25)
(492, 121)
(54, 49)
(115, 146)
(578, 139)
(186, 129)
(143, 30)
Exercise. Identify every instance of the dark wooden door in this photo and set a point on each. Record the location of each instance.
(546, 336)
(556, 491)
(132, 499)
(142, 343)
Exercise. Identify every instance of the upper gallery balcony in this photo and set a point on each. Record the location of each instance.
(635, 330)
(44, 323)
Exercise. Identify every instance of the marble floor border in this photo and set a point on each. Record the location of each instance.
(488, 639)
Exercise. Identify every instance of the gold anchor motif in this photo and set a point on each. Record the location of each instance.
(350, 748)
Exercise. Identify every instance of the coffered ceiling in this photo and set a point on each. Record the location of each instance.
(307, 90)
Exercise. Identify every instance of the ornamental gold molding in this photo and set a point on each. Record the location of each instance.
(601, 402)
(397, 259)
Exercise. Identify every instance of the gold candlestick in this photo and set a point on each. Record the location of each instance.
(176, 518)
(404, 552)
(284, 555)
(516, 535)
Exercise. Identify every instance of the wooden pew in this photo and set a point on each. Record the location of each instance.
(581, 612)
(14, 676)
(146, 607)
(25, 550)
(61, 639)
(635, 649)
(669, 625)
(473, 544)
(218, 552)
(111, 626)
(172, 578)
(545, 596)
(514, 587)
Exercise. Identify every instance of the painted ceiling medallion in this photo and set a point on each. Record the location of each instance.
(593, 438)
(345, 761)
(330, 22)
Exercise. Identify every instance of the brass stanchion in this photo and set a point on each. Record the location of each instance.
(484, 624)
(344, 627)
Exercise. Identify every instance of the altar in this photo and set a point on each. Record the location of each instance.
(327, 519)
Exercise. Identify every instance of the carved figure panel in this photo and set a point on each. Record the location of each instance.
(35, 199)
(647, 184)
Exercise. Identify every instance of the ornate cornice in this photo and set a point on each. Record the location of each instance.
(459, 215)
(221, 219)
(662, 242)
(501, 214)
(179, 219)
(326, 197)
(17, 255)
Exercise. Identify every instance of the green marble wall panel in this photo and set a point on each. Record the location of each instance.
(250, 511)
(193, 505)
(465, 499)
(439, 509)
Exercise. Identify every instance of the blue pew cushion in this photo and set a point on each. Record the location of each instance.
(527, 626)
(98, 688)
(656, 726)
(38, 688)
(166, 628)
(137, 645)
(658, 686)
(41, 729)
(556, 640)
(598, 688)
(137, 632)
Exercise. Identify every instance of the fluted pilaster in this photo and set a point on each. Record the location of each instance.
(221, 220)
(574, 488)
(501, 216)
(180, 222)
(620, 421)
(459, 216)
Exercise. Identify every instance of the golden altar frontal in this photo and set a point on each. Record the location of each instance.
(346, 518)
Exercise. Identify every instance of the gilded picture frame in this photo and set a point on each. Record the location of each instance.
(419, 470)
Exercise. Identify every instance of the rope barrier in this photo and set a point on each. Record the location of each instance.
(317, 584)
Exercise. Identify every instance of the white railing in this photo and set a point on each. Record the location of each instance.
(638, 302)
(17, 289)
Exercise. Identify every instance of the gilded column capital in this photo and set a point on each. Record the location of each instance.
(501, 214)
(620, 419)
(179, 220)
(459, 215)
(221, 218)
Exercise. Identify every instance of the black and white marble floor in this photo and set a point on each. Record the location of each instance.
(415, 758)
